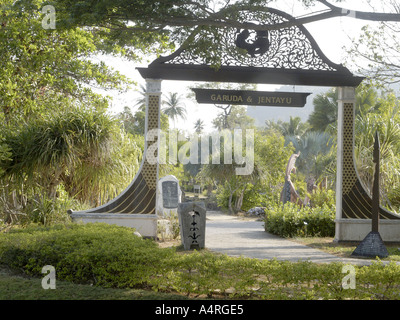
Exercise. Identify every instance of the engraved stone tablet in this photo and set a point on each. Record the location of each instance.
(170, 194)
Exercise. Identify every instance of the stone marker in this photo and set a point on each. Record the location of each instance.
(192, 223)
(168, 196)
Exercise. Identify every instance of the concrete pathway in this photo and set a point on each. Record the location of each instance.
(246, 237)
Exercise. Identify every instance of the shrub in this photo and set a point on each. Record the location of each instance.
(100, 254)
(253, 197)
(290, 220)
(42, 209)
(112, 256)
(322, 196)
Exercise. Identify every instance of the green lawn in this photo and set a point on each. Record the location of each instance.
(17, 287)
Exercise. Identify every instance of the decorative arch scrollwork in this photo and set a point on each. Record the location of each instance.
(290, 48)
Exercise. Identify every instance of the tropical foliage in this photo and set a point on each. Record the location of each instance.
(58, 138)
(60, 149)
(384, 120)
(57, 142)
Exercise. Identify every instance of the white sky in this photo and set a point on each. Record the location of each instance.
(331, 36)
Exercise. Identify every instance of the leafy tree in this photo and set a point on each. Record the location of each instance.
(127, 119)
(135, 123)
(43, 69)
(325, 110)
(79, 148)
(233, 117)
(227, 178)
(272, 154)
(221, 122)
(56, 133)
(376, 51)
(154, 24)
(367, 99)
(270, 159)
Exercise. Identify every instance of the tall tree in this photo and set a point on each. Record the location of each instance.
(376, 51)
(154, 21)
(174, 107)
(199, 126)
(55, 128)
(44, 69)
(226, 176)
(233, 117)
(294, 127)
(141, 102)
(325, 110)
(134, 123)
(326, 106)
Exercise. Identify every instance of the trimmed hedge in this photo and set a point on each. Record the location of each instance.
(290, 220)
(112, 256)
(100, 254)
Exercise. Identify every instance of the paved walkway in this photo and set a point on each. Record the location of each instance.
(246, 237)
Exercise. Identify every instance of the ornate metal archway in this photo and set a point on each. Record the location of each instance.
(285, 56)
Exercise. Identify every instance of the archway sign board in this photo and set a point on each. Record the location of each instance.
(251, 98)
(288, 56)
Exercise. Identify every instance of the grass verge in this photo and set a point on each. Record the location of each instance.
(344, 249)
(17, 287)
(105, 262)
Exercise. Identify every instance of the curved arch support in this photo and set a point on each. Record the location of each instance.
(136, 205)
(353, 203)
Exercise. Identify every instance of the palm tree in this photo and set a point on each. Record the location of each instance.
(366, 100)
(292, 128)
(199, 126)
(174, 107)
(326, 106)
(315, 152)
(141, 102)
(386, 121)
(325, 110)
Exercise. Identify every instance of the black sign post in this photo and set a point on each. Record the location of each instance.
(251, 98)
(373, 246)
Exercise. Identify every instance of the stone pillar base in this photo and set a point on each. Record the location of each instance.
(145, 224)
(357, 229)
